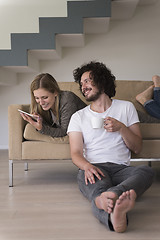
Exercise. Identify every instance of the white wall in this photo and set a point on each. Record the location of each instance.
(22, 16)
(131, 49)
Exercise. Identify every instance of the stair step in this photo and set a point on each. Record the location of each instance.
(83, 17)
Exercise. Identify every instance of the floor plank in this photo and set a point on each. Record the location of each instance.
(45, 203)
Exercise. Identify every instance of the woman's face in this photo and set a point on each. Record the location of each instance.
(45, 98)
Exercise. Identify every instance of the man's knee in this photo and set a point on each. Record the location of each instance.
(146, 172)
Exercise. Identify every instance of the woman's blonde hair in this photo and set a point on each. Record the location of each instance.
(46, 81)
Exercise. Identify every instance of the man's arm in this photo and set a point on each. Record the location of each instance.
(131, 135)
(76, 146)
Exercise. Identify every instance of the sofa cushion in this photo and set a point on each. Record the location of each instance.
(150, 130)
(127, 90)
(150, 150)
(30, 133)
(38, 150)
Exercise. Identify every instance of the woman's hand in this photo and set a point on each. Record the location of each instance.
(90, 172)
(37, 123)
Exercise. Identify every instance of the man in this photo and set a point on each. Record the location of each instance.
(103, 155)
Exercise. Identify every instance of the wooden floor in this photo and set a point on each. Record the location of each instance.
(45, 204)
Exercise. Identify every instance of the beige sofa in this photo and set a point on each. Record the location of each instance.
(28, 145)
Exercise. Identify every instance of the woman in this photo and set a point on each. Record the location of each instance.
(150, 98)
(51, 107)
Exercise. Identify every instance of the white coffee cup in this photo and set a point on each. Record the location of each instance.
(97, 122)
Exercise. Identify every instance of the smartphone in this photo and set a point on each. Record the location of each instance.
(31, 115)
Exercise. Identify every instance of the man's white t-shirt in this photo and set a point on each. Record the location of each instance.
(101, 146)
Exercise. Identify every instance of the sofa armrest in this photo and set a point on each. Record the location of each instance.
(16, 126)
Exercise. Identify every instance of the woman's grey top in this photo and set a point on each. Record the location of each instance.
(69, 103)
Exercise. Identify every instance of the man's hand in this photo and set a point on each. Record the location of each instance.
(112, 125)
(131, 135)
(90, 172)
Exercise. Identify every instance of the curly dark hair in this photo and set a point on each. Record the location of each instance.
(101, 75)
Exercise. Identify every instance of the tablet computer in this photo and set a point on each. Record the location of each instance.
(31, 115)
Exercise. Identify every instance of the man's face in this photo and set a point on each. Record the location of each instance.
(89, 90)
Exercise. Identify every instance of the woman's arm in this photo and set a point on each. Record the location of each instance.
(36, 122)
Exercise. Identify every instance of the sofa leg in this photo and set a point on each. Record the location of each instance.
(10, 173)
(149, 164)
(25, 166)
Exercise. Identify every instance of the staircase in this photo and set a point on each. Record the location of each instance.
(55, 33)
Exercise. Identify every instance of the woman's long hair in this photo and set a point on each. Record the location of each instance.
(46, 81)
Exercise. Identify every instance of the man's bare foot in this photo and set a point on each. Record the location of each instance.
(106, 201)
(145, 95)
(123, 205)
(156, 80)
